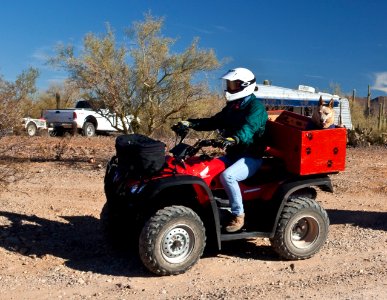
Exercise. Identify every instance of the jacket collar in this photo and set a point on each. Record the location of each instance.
(246, 100)
(241, 103)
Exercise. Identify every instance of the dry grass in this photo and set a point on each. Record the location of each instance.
(73, 148)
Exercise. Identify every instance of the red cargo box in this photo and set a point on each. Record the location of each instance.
(305, 151)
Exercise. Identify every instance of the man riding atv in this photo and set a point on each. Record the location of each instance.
(170, 205)
(242, 123)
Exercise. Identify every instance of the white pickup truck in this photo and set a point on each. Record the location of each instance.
(82, 119)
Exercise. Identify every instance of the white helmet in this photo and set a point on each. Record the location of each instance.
(239, 82)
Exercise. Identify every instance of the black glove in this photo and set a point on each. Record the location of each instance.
(181, 128)
(228, 142)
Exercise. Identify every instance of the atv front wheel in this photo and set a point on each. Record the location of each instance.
(302, 229)
(172, 241)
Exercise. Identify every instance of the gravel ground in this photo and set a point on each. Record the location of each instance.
(51, 246)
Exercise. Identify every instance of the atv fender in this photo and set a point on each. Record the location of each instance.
(287, 189)
(203, 193)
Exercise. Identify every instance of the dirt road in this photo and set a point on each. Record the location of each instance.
(51, 246)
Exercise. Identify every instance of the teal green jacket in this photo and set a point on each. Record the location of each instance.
(244, 120)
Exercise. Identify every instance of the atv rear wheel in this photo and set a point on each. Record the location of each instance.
(172, 241)
(302, 229)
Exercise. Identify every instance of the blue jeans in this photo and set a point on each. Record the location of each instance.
(236, 171)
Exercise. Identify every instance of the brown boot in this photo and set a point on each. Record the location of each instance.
(236, 223)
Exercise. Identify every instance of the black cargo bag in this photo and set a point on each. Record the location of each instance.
(140, 155)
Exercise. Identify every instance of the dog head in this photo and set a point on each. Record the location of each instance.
(323, 115)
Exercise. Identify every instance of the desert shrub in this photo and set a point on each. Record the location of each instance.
(12, 97)
(366, 137)
(366, 130)
(361, 120)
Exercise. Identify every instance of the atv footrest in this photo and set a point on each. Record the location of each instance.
(243, 235)
(220, 202)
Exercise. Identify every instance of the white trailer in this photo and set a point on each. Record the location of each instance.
(303, 100)
(33, 126)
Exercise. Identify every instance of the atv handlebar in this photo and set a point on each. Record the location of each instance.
(180, 129)
(182, 151)
(217, 143)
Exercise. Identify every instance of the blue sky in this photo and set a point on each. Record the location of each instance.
(314, 43)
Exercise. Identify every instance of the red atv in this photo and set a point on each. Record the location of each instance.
(174, 210)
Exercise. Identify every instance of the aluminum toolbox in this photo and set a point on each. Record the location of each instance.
(305, 151)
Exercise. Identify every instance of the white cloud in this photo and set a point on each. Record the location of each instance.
(223, 28)
(41, 54)
(380, 82)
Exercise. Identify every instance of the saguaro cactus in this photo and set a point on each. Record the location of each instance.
(368, 108)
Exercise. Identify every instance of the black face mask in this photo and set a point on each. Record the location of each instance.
(236, 104)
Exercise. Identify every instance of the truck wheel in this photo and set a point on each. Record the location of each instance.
(172, 241)
(302, 229)
(31, 129)
(88, 129)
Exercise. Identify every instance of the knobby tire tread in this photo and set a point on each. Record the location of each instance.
(290, 209)
(150, 232)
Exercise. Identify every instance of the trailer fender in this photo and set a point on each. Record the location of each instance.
(286, 190)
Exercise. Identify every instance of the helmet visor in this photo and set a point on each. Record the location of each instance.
(234, 86)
